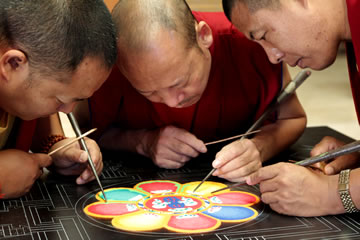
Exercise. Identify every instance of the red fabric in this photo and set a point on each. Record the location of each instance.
(21, 135)
(25, 135)
(353, 51)
(242, 83)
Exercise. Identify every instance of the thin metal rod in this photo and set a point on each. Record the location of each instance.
(207, 176)
(230, 186)
(346, 149)
(72, 141)
(77, 131)
(234, 137)
(283, 95)
(343, 150)
(222, 140)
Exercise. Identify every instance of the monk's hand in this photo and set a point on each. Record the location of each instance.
(237, 160)
(336, 165)
(19, 170)
(72, 160)
(171, 147)
(294, 190)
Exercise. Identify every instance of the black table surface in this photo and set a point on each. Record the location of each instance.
(53, 209)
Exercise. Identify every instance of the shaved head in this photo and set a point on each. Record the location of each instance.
(163, 50)
(57, 35)
(140, 21)
(252, 5)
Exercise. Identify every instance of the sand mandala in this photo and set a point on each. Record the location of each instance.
(159, 204)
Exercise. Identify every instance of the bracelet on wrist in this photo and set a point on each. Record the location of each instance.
(344, 191)
(47, 143)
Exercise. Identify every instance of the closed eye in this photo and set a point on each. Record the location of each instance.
(185, 83)
(263, 37)
(252, 37)
(147, 94)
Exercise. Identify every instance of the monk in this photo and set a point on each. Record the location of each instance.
(53, 54)
(185, 78)
(306, 33)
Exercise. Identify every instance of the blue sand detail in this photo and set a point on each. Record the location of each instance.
(229, 212)
(122, 195)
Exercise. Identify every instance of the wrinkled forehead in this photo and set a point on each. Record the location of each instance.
(155, 70)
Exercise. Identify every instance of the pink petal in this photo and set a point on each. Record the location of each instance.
(195, 223)
(235, 197)
(109, 210)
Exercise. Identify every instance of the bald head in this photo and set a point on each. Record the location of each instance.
(252, 5)
(138, 22)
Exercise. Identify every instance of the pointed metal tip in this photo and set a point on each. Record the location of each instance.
(198, 186)
(103, 192)
(207, 176)
(230, 186)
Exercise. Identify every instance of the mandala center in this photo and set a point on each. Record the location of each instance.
(172, 203)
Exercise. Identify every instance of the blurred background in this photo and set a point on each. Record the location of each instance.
(325, 96)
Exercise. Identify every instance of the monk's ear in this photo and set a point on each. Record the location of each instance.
(13, 65)
(204, 34)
